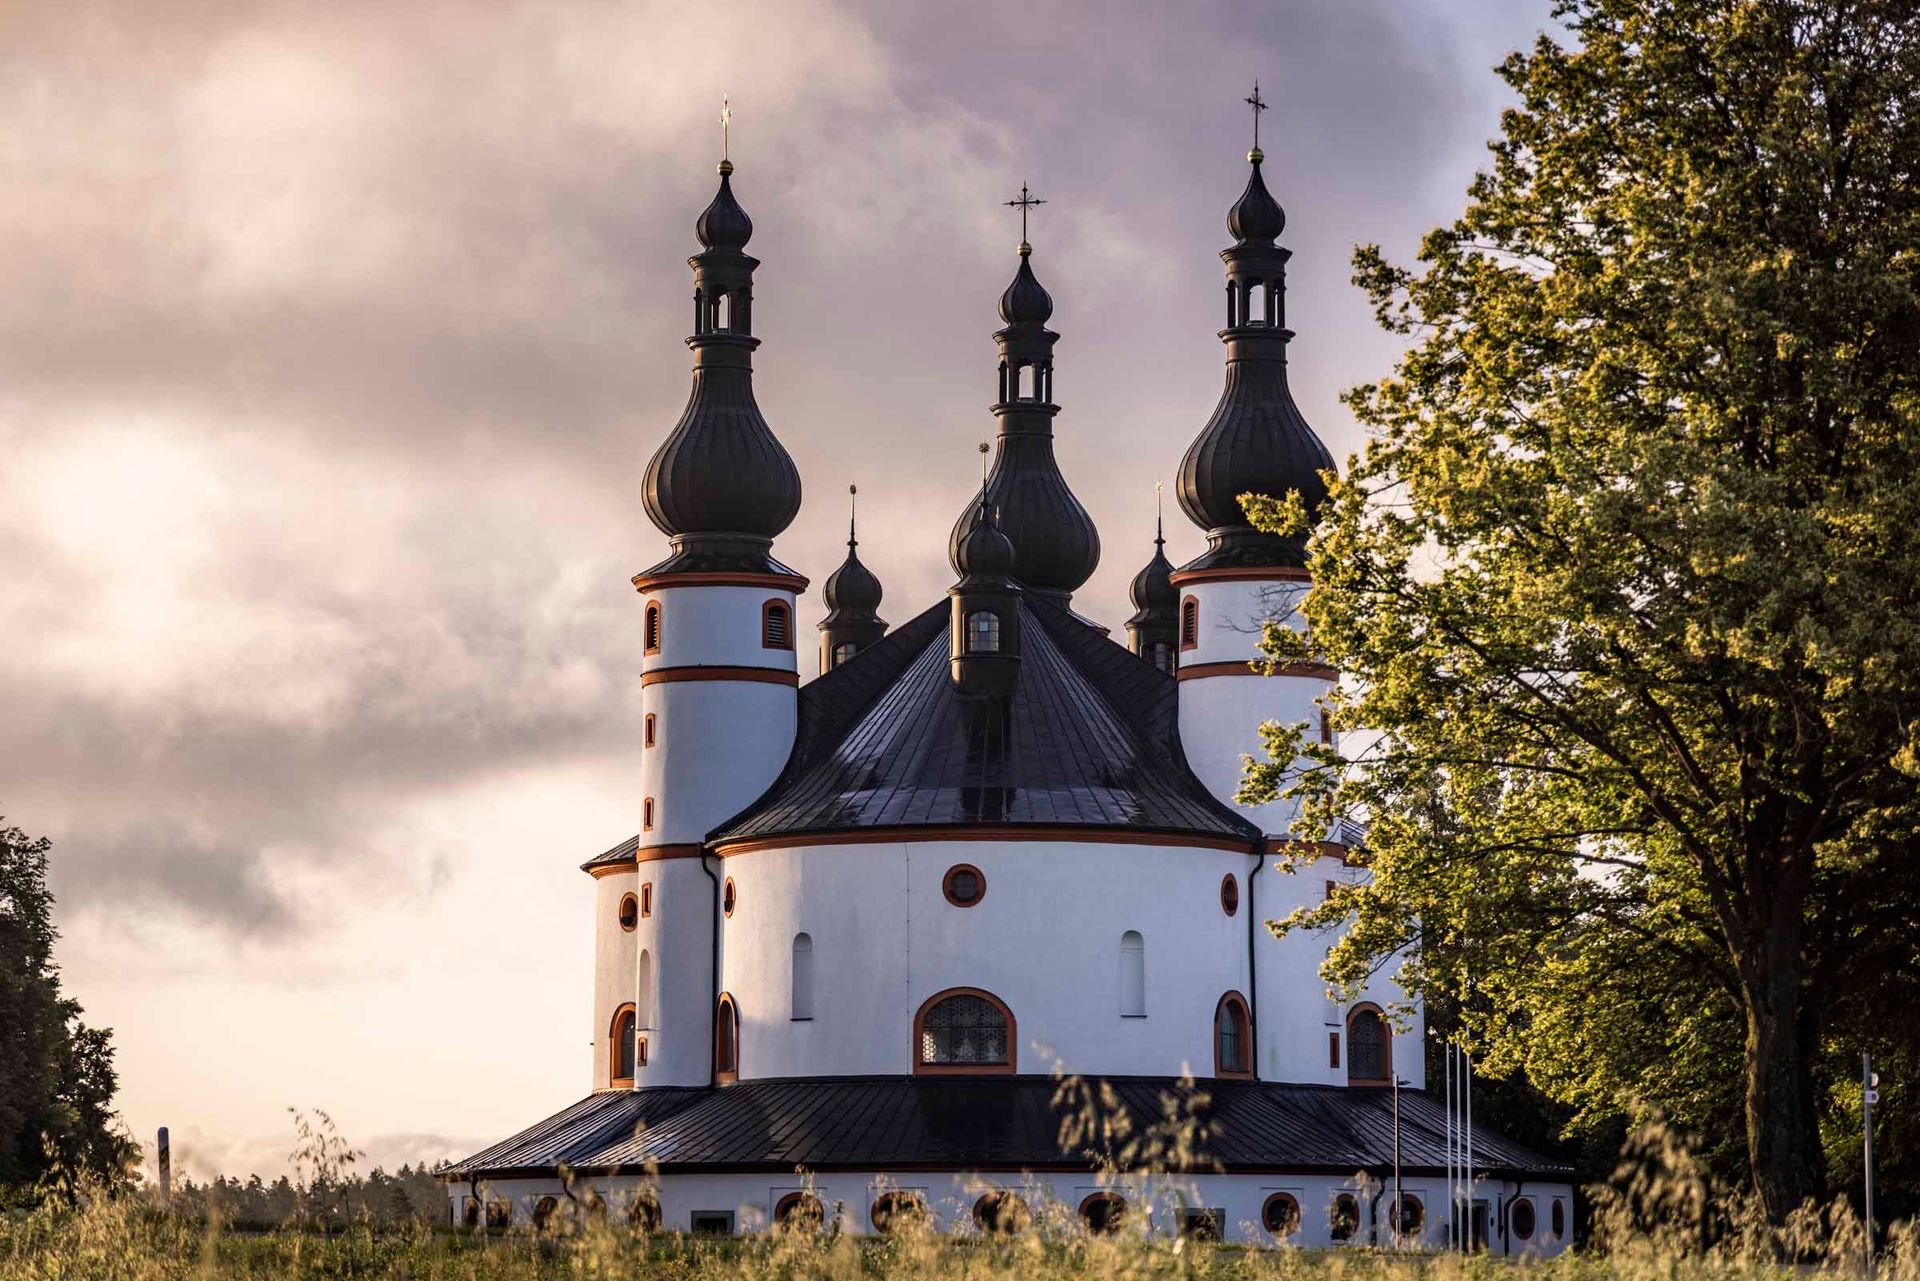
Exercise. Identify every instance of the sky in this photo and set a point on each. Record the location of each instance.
(334, 340)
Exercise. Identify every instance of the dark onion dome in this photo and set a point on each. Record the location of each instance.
(1256, 218)
(1056, 546)
(1026, 301)
(721, 484)
(724, 224)
(852, 592)
(1257, 440)
(983, 553)
(1152, 591)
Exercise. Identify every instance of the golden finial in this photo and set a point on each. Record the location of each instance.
(726, 123)
(1259, 105)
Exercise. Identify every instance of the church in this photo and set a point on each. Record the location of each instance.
(867, 918)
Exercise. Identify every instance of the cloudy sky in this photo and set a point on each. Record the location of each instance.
(334, 339)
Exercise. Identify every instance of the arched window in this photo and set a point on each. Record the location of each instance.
(726, 1039)
(963, 1030)
(652, 637)
(1229, 894)
(1522, 1218)
(470, 1212)
(1344, 1219)
(646, 814)
(1280, 1215)
(897, 1211)
(1232, 1037)
(499, 1216)
(621, 1047)
(646, 899)
(1001, 1212)
(776, 625)
(799, 1212)
(803, 976)
(643, 1005)
(1369, 1047)
(629, 912)
(1133, 975)
(1103, 1212)
(983, 632)
(543, 1211)
(647, 734)
(1189, 623)
(1558, 1217)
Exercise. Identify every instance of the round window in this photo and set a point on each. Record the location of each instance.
(800, 1212)
(727, 897)
(896, 1211)
(629, 912)
(1001, 1212)
(1229, 894)
(1410, 1216)
(964, 885)
(1523, 1223)
(1103, 1212)
(1280, 1214)
(1559, 1219)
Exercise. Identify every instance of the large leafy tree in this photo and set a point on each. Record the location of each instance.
(56, 1074)
(1628, 579)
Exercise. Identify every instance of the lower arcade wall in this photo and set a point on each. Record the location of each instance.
(744, 1203)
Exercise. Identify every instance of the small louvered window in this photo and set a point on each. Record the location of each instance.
(776, 626)
(1189, 623)
(653, 629)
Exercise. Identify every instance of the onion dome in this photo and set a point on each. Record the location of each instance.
(983, 553)
(724, 224)
(853, 621)
(1257, 440)
(721, 485)
(1056, 546)
(1026, 301)
(1256, 218)
(1155, 626)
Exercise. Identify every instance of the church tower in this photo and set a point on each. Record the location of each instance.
(718, 667)
(1056, 547)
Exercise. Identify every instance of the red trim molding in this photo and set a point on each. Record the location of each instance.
(786, 582)
(966, 1069)
(912, 835)
(647, 854)
(1200, 671)
(1236, 574)
(763, 675)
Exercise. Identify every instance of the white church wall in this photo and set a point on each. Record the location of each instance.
(679, 940)
(614, 954)
(1045, 939)
(718, 626)
(717, 745)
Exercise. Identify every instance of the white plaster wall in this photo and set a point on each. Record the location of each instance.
(679, 937)
(1045, 939)
(614, 954)
(850, 1194)
(717, 626)
(717, 746)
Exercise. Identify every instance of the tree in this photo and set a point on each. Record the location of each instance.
(1628, 581)
(56, 1074)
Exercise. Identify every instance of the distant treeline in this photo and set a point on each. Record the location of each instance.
(410, 1193)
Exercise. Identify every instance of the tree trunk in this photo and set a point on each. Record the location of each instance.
(1783, 1132)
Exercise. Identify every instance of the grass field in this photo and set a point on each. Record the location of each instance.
(125, 1239)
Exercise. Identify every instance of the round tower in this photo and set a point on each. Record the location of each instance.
(1055, 543)
(718, 652)
(852, 595)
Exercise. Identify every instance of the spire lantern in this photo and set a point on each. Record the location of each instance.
(1054, 539)
(852, 594)
(1153, 631)
(984, 629)
(721, 485)
(1257, 440)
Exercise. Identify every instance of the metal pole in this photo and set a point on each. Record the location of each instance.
(1446, 1076)
(1466, 1060)
(1869, 1095)
(1399, 1204)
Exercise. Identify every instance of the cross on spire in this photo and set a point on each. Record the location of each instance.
(1026, 202)
(1259, 105)
(726, 120)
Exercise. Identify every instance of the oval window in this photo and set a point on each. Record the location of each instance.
(728, 897)
(799, 1212)
(1229, 894)
(964, 885)
(1280, 1214)
(1523, 1222)
(897, 1211)
(1002, 1213)
(629, 912)
(1103, 1212)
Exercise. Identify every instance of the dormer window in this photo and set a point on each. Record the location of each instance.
(776, 625)
(983, 632)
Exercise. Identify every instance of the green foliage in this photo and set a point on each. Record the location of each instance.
(1625, 584)
(56, 1073)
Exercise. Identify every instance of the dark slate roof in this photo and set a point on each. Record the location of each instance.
(899, 1123)
(622, 853)
(1088, 738)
